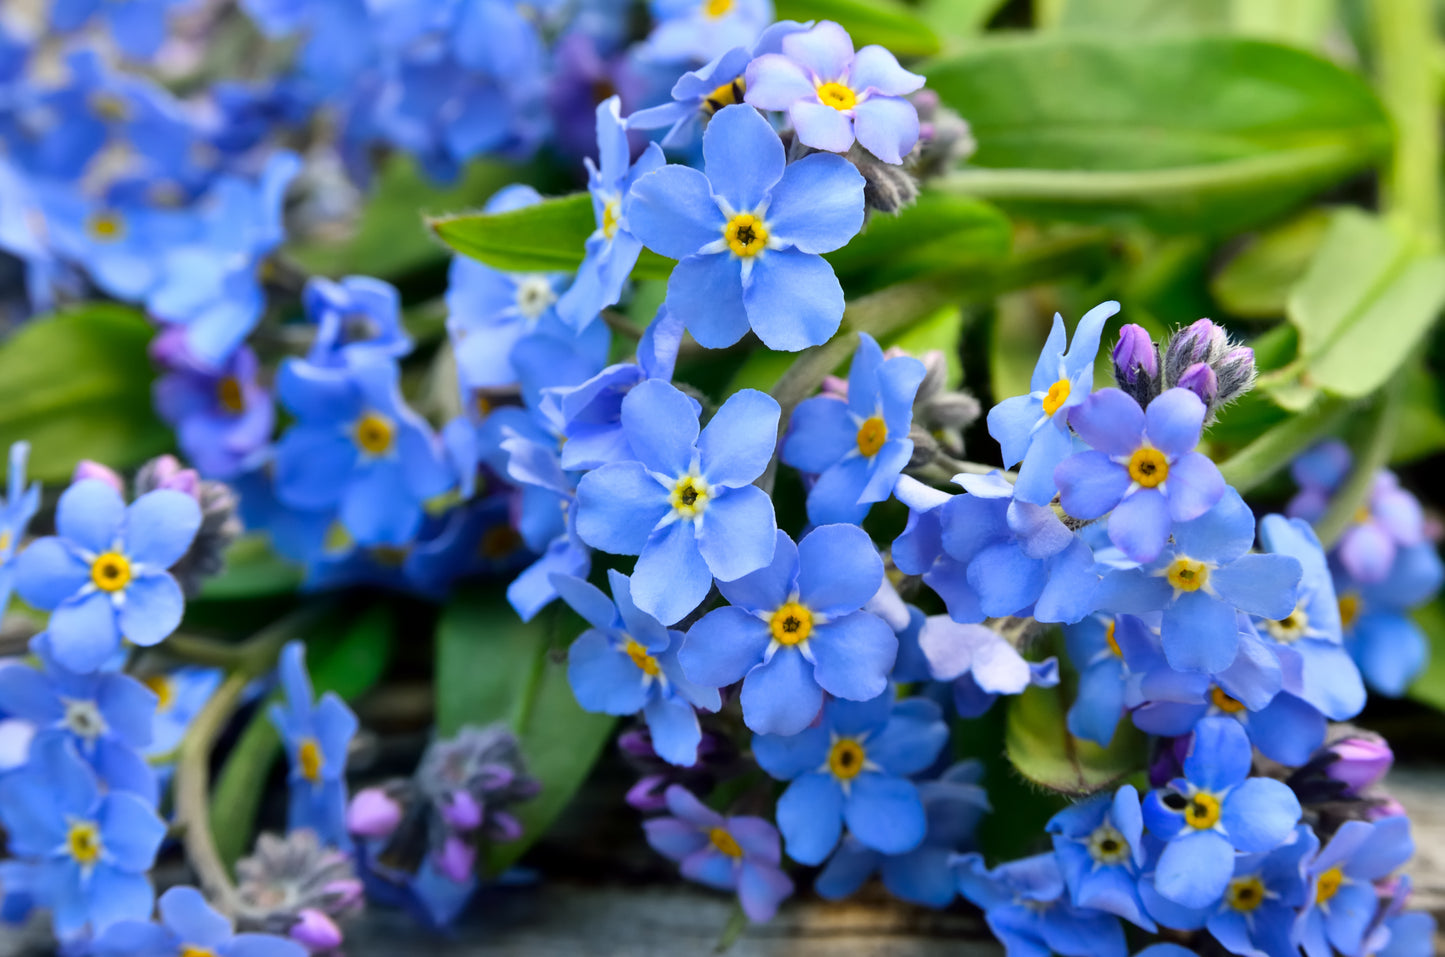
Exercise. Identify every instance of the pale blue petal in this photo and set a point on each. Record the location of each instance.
(818, 205)
(793, 300)
(738, 441)
(853, 655)
(885, 813)
(1174, 420)
(1090, 484)
(737, 533)
(1265, 585)
(1200, 634)
(673, 212)
(1260, 814)
(1195, 486)
(838, 569)
(1194, 870)
(742, 156)
(671, 578)
(706, 292)
(810, 815)
(1140, 524)
(781, 696)
(887, 127)
(1109, 421)
(661, 426)
(618, 506)
(820, 434)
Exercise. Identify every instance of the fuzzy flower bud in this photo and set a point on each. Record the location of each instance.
(1231, 365)
(220, 522)
(316, 932)
(86, 469)
(887, 188)
(944, 138)
(1360, 762)
(1201, 380)
(1136, 364)
(286, 876)
(373, 813)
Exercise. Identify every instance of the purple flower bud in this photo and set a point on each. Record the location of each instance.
(316, 932)
(504, 828)
(456, 859)
(372, 813)
(166, 471)
(636, 742)
(646, 794)
(835, 388)
(1386, 807)
(344, 894)
(86, 469)
(1136, 364)
(462, 811)
(1236, 371)
(1168, 762)
(1197, 342)
(1201, 380)
(168, 350)
(1359, 763)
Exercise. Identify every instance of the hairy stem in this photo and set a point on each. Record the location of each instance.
(1383, 423)
(1273, 451)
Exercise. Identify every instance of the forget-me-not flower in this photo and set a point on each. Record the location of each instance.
(686, 507)
(21, 504)
(354, 316)
(137, 26)
(104, 575)
(796, 629)
(316, 735)
(699, 30)
(748, 233)
(1379, 632)
(1100, 846)
(627, 662)
(834, 96)
(857, 447)
(1027, 906)
(981, 663)
(188, 926)
(1033, 429)
(1343, 901)
(222, 417)
(854, 766)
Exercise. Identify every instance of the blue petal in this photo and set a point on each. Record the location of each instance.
(1174, 420)
(618, 506)
(1109, 421)
(640, 625)
(1073, 586)
(1140, 525)
(707, 292)
(743, 157)
(1199, 634)
(603, 678)
(793, 300)
(1051, 445)
(912, 739)
(781, 696)
(885, 813)
(924, 876)
(185, 913)
(767, 588)
(810, 815)
(312, 467)
(1095, 713)
(1195, 486)
(737, 533)
(786, 757)
(1219, 756)
(115, 896)
(722, 647)
(738, 442)
(377, 508)
(1265, 585)
(670, 578)
(1086, 338)
(820, 433)
(1011, 423)
(1260, 814)
(131, 832)
(838, 569)
(1194, 869)
(853, 655)
(1007, 581)
(160, 526)
(673, 212)
(1390, 649)
(887, 127)
(818, 205)
(586, 600)
(675, 731)
(661, 426)
(836, 497)
(1090, 484)
(47, 572)
(1222, 534)
(1288, 730)
(84, 633)
(90, 513)
(847, 870)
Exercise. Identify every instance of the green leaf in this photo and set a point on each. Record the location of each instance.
(549, 236)
(252, 569)
(1209, 134)
(493, 667)
(77, 385)
(885, 22)
(1040, 746)
(938, 233)
(1255, 282)
(958, 18)
(1140, 17)
(1429, 687)
(1361, 309)
(1422, 426)
(347, 658)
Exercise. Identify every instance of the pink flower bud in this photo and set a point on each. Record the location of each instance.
(456, 859)
(1361, 762)
(316, 932)
(372, 813)
(86, 469)
(461, 811)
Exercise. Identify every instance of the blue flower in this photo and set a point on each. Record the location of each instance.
(90, 848)
(180, 696)
(222, 417)
(794, 630)
(1201, 580)
(105, 715)
(858, 447)
(1034, 428)
(728, 853)
(748, 233)
(686, 507)
(316, 736)
(1399, 933)
(188, 925)
(357, 448)
(104, 574)
(1100, 848)
(1141, 466)
(1028, 909)
(699, 30)
(19, 507)
(1381, 636)
(1215, 810)
(357, 316)
(1342, 902)
(833, 95)
(137, 26)
(627, 662)
(953, 805)
(854, 766)
(1114, 654)
(613, 249)
(981, 663)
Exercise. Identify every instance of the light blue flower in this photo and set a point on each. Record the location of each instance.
(854, 766)
(857, 447)
(137, 26)
(749, 232)
(188, 926)
(686, 507)
(627, 662)
(1027, 906)
(20, 505)
(316, 735)
(1034, 428)
(1379, 632)
(1343, 903)
(795, 629)
(981, 663)
(1099, 844)
(104, 576)
(355, 316)
(699, 30)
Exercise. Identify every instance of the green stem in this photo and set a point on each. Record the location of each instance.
(1405, 42)
(1381, 428)
(257, 653)
(192, 793)
(1252, 465)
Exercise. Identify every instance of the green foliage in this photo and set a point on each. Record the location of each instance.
(492, 667)
(888, 23)
(1042, 749)
(252, 570)
(1255, 282)
(77, 385)
(1208, 134)
(939, 233)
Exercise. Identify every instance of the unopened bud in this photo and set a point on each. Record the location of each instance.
(1360, 762)
(1201, 380)
(925, 447)
(86, 469)
(504, 828)
(456, 859)
(316, 932)
(462, 811)
(372, 813)
(1236, 372)
(1136, 364)
(1204, 343)
(345, 894)
(167, 472)
(886, 188)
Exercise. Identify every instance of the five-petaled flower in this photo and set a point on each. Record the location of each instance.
(316, 735)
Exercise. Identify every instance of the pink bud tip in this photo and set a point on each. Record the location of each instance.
(372, 813)
(316, 932)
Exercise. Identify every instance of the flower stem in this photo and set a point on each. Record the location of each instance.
(1375, 455)
(1254, 464)
(192, 793)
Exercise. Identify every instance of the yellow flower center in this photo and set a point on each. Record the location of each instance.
(641, 658)
(374, 433)
(389, 556)
(791, 624)
(1362, 515)
(838, 96)
(1202, 811)
(230, 395)
(746, 234)
(1224, 702)
(308, 755)
(846, 759)
(1291, 627)
(871, 436)
(111, 571)
(717, 8)
(1185, 574)
(689, 496)
(1245, 893)
(108, 107)
(611, 216)
(105, 227)
(724, 842)
(1057, 395)
(725, 95)
(84, 842)
(5, 540)
(1111, 640)
(163, 688)
(193, 950)
(1107, 845)
(1328, 885)
(1349, 610)
(1148, 467)
(498, 542)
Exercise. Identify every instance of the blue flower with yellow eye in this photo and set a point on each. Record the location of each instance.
(1213, 811)
(137, 26)
(627, 662)
(748, 233)
(612, 250)
(1033, 429)
(1100, 847)
(20, 505)
(105, 574)
(687, 506)
(357, 448)
(316, 735)
(699, 30)
(1379, 632)
(857, 447)
(853, 767)
(1342, 901)
(356, 315)
(796, 629)
(188, 926)
(90, 848)
(1026, 904)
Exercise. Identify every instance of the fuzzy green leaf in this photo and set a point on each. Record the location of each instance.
(1039, 745)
